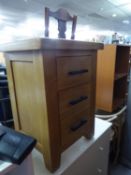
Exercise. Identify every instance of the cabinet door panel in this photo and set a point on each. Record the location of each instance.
(27, 94)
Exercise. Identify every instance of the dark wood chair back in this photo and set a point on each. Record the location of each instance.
(62, 16)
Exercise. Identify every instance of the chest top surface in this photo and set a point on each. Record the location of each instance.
(49, 44)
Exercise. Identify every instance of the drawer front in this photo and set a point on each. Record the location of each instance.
(101, 153)
(74, 99)
(98, 155)
(75, 126)
(73, 71)
(94, 160)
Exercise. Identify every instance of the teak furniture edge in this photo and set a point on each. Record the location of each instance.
(52, 87)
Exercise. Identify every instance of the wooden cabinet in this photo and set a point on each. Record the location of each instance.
(52, 87)
(112, 73)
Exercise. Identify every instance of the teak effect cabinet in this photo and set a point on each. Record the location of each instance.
(112, 74)
(52, 86)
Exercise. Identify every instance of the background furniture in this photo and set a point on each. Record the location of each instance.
(123, 166)
(125, 154)
(52, 87)
(84, 156)
(5, 106)
(62, 16)
(112, 73)
(117, 119)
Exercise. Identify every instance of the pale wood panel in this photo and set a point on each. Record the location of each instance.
(27, 97)
(12, 91)
(2, 59)
(105, 77)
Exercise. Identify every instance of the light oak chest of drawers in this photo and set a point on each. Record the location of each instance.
(52, 87)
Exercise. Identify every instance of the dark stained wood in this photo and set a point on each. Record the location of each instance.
(68, 67)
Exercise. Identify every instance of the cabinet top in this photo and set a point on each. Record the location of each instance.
(49, 44)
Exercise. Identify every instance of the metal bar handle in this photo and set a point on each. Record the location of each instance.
(77, 72)
(78, 125)
(80, 99)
